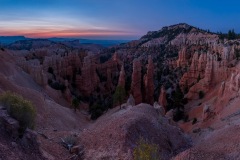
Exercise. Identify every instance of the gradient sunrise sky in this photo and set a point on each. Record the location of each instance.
(112, 19)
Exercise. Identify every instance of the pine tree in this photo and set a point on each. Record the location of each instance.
(119, 96)
(75, 104)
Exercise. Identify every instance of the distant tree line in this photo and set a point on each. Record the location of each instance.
(231, 35)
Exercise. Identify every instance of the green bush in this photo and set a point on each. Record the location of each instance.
(146, 151)
(20, 109)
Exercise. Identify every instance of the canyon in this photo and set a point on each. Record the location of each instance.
(181, 92)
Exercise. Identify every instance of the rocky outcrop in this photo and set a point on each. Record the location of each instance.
(221, 90)
(34, 68)
(207, 113)
(159, 109)
(193, 36)
(196, 70)
(136, 81)
(67, 92)
(108, 74)
(162, 100)
(64, 65)
(149, 82)
(121, 80)
(131, 101)
(217, 63)
(88, 81)
(117, 134)
(10, 125)
(183, 58)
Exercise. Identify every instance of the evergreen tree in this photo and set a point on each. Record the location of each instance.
(75, 104)
(119, 96)
(231, 35)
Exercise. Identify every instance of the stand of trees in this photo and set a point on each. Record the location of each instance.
(231, 35)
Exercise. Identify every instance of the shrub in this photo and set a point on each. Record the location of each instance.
(50, 81)
(186, 118)
(20, 109)
(237, 54)
(186, 89)
(146, 151)
(185, 101)
(96, 111)
(69, 141)
(199, 78)
(194, 121)
(50, 70)
(57, 86)
(178, 114)
(201, 94)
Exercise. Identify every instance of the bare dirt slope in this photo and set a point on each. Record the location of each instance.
(50, 113)
(52, 118)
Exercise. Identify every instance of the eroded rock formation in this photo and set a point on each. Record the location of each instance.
(121, 80)
(89, 80)
(149, 82)
(162, 100)
(183, 58)
(136, 81)
(208, 69)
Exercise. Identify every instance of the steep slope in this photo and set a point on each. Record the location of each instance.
(16, 80)
(52, 118)
(115, 134)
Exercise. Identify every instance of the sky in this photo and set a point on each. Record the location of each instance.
(112, 19)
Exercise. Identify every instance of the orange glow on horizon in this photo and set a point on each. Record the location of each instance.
(65, 33)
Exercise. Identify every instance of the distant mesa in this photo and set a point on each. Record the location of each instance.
(5, 40)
